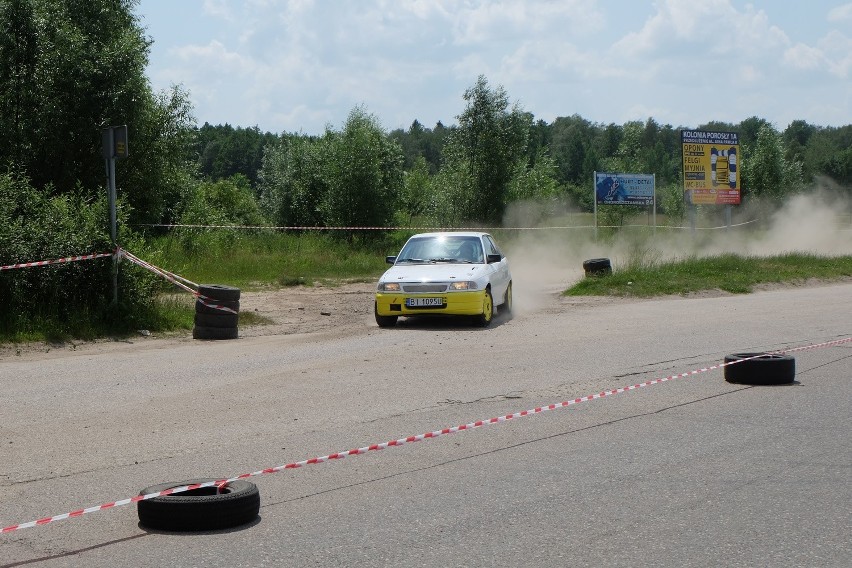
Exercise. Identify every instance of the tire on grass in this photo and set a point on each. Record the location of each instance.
(760, 369)
(597, 266)
(202, 509)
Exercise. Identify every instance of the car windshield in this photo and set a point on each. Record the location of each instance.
(442, 248)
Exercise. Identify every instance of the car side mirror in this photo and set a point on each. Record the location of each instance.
(390, 259)
(492, 258)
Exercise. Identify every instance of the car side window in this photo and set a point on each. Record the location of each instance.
(491, 247)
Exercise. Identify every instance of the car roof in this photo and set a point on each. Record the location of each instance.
(453, 233)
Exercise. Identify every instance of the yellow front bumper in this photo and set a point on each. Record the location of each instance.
(455, 303)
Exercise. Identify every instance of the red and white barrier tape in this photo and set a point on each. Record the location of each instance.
(175, 279)
(171, 276)
(421, 229)
(398, 442)
(178, 281)
(353, 228)
(57, 261)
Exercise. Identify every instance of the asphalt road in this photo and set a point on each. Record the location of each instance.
(690, 472)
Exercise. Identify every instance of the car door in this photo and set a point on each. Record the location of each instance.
(501, 276)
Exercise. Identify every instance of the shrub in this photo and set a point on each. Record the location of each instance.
(63, 299)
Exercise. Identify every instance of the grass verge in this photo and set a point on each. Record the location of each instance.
(259, 260)
(730, 273)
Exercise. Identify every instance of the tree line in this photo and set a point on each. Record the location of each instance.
(499, 153)
(69, 68)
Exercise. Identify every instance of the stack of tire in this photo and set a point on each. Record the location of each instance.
(597, 267)
(217, 312)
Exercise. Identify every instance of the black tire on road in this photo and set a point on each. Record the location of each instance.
(760, 369)
(222, 319)
(204, 309)
(384, 321)
(200, 509)
(597, 266)
(203, 332)
(219, 292)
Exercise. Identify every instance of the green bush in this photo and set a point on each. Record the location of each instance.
(225, 203)
(62, 299)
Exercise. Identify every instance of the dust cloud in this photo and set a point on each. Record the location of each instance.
(545, 261)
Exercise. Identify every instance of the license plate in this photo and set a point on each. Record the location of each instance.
(424, 303)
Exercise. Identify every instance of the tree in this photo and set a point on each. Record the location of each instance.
(536, 182)
(70, 68)
(796, 137)
(627, 157)
(223, 202)
(348, 178)
(421, 142)
(157, 175)
(765, 171)
(223, 151)
(570, 145)
(293, 180)
(365, 177)
(750, 129)
(485, 149)
(416, 190)
(18, 58)
(828, 153)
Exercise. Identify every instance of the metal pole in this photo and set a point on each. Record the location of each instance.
(111, 198)
(595, 201)
(654, 206)
(728, 216)
(692, 216)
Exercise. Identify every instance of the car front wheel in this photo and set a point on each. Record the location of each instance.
(384, 321)
(484, 319)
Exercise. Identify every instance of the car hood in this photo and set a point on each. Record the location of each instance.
(433, 272)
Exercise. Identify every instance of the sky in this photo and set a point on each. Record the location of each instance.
(301, 66)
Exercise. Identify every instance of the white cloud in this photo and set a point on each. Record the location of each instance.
(303, 64)
(215, 56)
(802, 56)
(484, 21)
(716, 27)
(838, 50)
(218, 8)
(833, 53)
(749, 74)
(840, 13)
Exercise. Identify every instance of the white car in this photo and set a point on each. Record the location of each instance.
(449, 273)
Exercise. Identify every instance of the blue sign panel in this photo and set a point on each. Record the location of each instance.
(624, 189)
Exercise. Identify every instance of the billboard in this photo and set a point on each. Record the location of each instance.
(710, 167)
(624, 189)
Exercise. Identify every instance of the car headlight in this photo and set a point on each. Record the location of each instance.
(389, 287)
(466, 285)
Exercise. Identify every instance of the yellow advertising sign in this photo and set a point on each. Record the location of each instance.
(711, 174)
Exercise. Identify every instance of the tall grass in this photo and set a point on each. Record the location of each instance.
(254, 260)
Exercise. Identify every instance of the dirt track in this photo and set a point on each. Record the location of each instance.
(339, 310)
